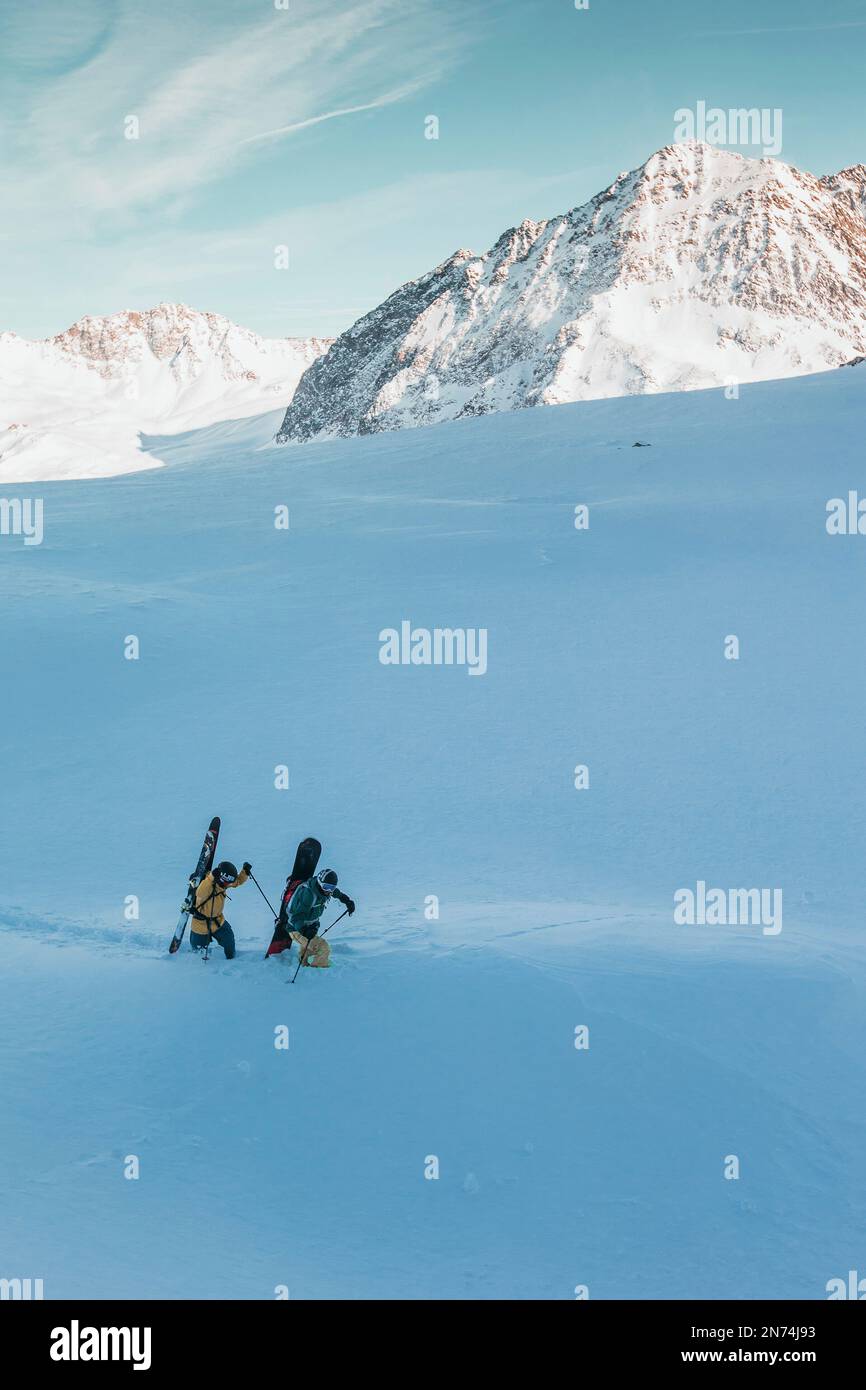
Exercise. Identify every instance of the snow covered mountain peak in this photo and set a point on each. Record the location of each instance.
(73, 405)
(699, 267)
(184, 339)
(849, 186)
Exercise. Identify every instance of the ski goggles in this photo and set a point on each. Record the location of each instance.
(327, 888)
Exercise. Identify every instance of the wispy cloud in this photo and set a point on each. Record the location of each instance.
(206, 85)
(386, 100)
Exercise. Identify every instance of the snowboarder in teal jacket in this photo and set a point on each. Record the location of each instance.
(305, 909)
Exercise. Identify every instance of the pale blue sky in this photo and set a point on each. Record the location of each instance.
(305, 126)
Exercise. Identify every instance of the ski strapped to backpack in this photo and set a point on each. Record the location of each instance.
(203, 867)
(306, 859)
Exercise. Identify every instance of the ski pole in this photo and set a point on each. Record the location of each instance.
(334, 923)
(302, 957)
(261, 890)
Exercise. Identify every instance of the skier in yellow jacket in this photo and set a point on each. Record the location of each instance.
(208, 923)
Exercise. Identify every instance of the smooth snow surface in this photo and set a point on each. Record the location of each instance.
(453, 1037)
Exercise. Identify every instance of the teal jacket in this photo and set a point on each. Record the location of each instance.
(306, 906)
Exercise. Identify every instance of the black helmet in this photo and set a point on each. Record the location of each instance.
(327, 881)
(225, 872)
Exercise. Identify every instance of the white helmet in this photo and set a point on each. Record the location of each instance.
(327, 881)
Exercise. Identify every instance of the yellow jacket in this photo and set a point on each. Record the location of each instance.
(210, 900)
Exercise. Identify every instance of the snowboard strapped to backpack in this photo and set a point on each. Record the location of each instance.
(306, 859)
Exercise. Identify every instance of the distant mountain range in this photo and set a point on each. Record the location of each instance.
(73, 405)
(699, 268)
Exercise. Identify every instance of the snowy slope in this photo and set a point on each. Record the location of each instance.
(72, 406)
(453, 1036)
(698, 267)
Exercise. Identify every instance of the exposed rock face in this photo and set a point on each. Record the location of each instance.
(700, 267)
(186, 342)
